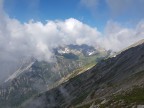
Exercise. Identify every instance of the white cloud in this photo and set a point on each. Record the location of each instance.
(118, 37)
(37, 39)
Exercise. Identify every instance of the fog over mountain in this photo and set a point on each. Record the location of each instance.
(37, 39)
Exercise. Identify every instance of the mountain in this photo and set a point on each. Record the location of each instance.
(34, 77)
(133, 45)
(116, 82)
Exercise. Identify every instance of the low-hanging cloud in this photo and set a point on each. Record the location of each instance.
(36, 39)
(117, 37)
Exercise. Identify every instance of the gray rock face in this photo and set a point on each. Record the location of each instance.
(107, 78)
(34, 76)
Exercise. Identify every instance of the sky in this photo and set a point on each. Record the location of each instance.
(95, 13)
(43, 10)
(32, 28)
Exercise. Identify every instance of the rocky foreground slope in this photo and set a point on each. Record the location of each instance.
(116, 82)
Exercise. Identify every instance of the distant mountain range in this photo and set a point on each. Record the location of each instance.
(34, 77)
(80, 77)
(116, 82)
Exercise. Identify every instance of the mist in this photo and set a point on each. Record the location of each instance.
(37, 39)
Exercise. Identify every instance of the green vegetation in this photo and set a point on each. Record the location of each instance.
(126, 98)
(81, 70)
(85, 106)
(110, 84)
(70, 56)
(89, 59)
(136, 95)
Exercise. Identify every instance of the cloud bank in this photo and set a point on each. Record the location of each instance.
(36, 39)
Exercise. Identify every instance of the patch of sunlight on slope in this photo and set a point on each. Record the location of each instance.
(65, 79)
(73, 74)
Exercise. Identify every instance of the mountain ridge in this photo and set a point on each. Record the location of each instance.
(109, 77)
(33, 76)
